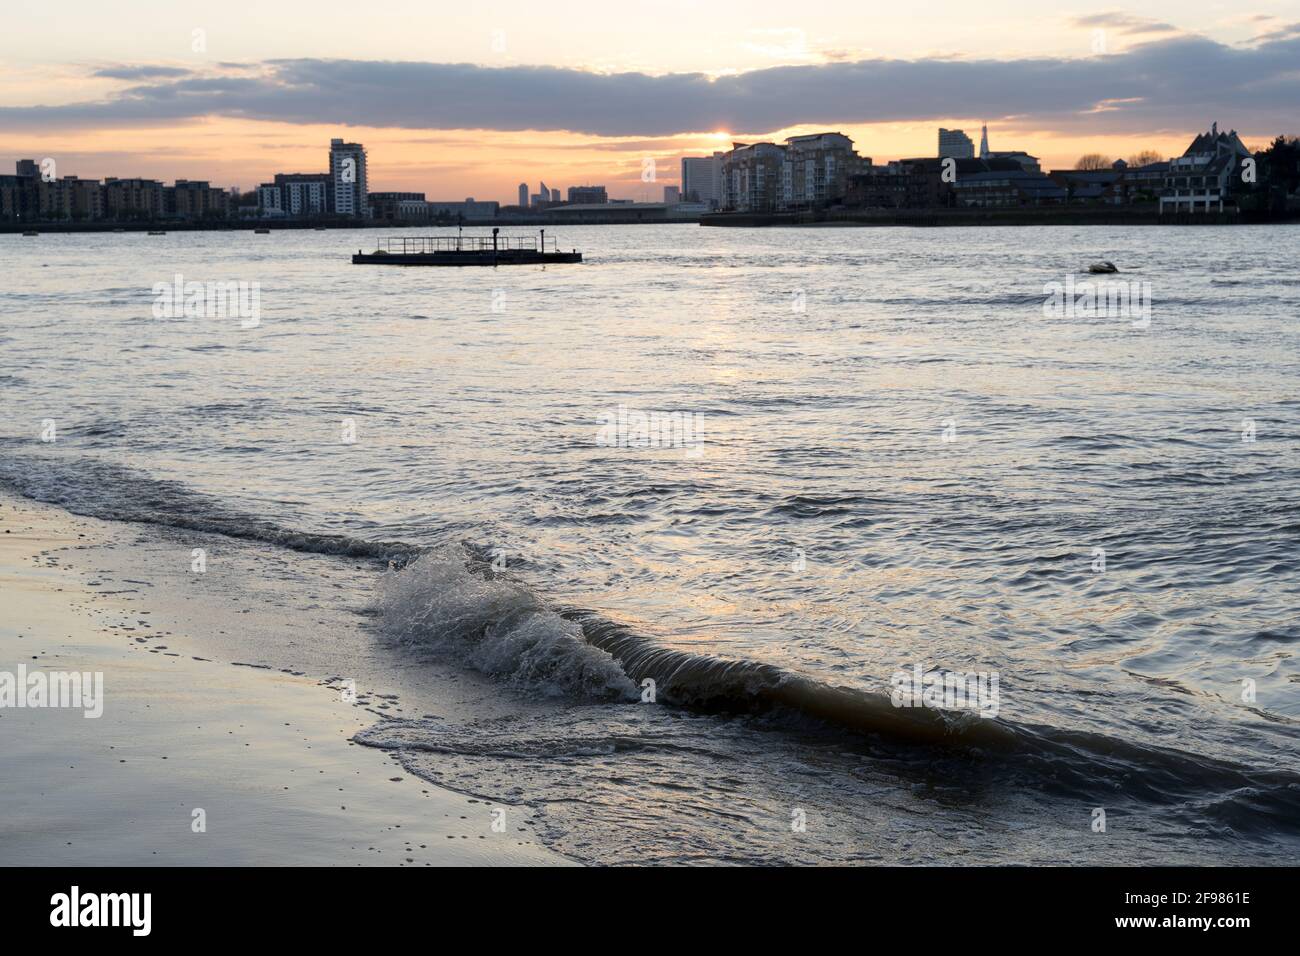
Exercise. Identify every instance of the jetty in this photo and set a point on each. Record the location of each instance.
(494, 250)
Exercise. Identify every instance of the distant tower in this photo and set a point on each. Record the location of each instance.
(523, 195)
(984, 141)
(555, 195)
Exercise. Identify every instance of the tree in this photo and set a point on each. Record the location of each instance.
(1281, 171)
(1145, 157)
(1093, 161)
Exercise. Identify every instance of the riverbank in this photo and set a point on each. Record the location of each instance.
(248, 225)
(1027, 216)
(194, 761)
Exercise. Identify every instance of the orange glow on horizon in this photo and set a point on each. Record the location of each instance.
(489, 164)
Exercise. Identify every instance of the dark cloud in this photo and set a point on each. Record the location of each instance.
(1176, 83)
(140, 72)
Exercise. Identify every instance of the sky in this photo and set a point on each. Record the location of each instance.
(470, 99)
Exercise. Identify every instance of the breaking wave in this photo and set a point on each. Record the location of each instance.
(451, 600)
(496, 626)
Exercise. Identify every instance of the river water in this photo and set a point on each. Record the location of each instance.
(756, 477)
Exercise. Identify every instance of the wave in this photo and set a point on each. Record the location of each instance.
(451, 599)
(497, 626)
(87, 486)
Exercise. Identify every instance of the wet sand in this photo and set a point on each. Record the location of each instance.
(265, 755)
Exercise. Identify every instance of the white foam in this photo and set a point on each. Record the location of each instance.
(497, 626)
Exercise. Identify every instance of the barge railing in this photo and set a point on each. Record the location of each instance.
(427, 245)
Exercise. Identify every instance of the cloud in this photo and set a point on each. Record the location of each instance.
(1177, 83)
(140, 72)
(1280, 33)
(1125, 23)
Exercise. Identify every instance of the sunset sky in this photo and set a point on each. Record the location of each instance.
(471, 99)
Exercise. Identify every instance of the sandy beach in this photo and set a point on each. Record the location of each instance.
(194, 760)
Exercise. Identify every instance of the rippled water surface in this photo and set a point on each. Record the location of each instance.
(903, 461)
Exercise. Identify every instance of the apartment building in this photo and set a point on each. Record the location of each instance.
(752, 177)
(815, 169)
(805, 172)
(304, 194)
(85, 197)
(133, 198)
(270, 200)
(195, 199)
(348, 179)
(19, 198)
(53, 200)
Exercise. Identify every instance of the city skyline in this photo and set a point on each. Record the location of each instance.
(804, 173)
(667, 173)
(217, 102)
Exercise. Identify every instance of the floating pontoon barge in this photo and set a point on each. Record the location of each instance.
(491, 250)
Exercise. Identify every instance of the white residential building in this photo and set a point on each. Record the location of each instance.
(269, 200)
(306, 198)
(816, 169)
(807, 172)
(348, 176)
